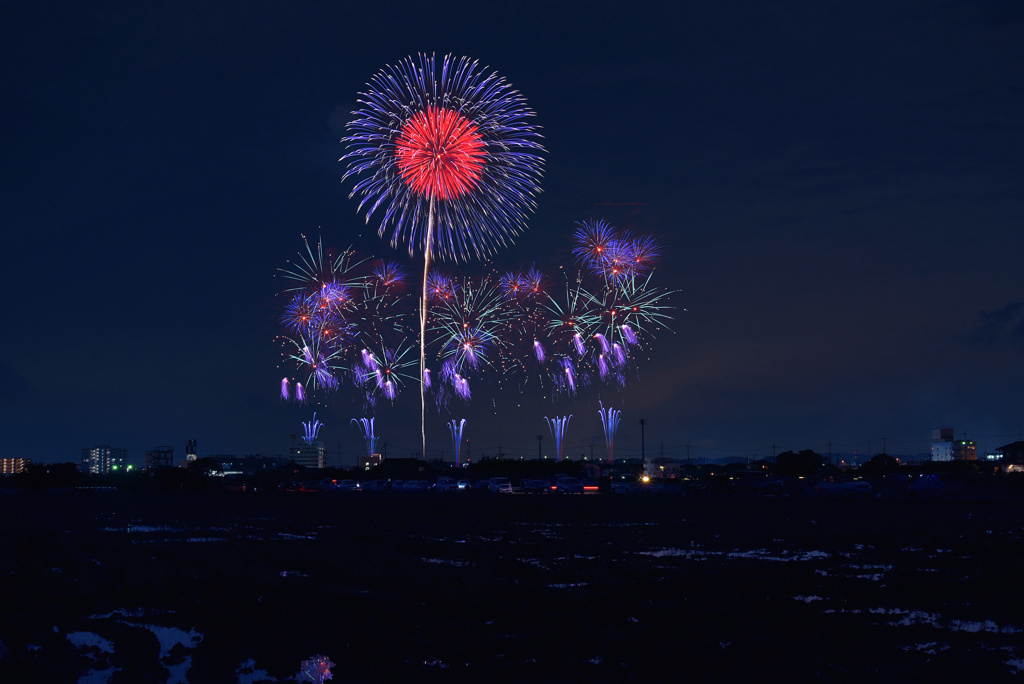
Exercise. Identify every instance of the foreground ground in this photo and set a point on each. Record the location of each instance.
(204, 588)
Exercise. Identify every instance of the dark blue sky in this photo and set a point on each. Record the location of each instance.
(840, 189)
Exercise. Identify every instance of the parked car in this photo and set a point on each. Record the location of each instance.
(536, 486)
(416, 486)
(380, 485)
(500, 485)
(464, 485)
(568, 485)
(445, 484)
(625, 487)
(625, 484)
(347, 486)
(397, 485)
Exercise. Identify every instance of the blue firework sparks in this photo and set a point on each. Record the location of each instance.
(454, 138)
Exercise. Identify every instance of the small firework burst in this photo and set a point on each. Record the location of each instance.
(366, 425)
(316, 669)
(441, 288)
(512, 285)
(610, 423)
(557, 427)
(456, 428)
(389, 274)
(311, 430)
(646, 251)
(299, 313)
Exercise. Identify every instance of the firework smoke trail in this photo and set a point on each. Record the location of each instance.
(456, 430)
(610, 423)
(628, 334)
(450, 161)
(577, 342)
(311, 429)
(423, 326)
(366, 425)
(557, 427)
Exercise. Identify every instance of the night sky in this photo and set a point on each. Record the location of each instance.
(839, 189)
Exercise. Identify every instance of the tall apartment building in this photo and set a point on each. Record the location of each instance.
(12, 466)
(310, 455)
(103, 459)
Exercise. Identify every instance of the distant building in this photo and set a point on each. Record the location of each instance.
(310, 455)
(190, 451)
(1011, 457)
(661, 468)
(160, 457)
(942, 444)
(103, 459)
(13, 466)
(946, 447)
(371, 461)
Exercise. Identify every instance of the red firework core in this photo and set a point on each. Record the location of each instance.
(440, 153)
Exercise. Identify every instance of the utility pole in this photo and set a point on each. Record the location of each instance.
(643, 423)
(687, 454)
(830, 453)
(540, 438)
(883, 446)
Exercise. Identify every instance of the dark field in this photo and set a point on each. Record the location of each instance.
(478, 588)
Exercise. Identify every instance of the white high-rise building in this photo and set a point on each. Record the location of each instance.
(103, 459)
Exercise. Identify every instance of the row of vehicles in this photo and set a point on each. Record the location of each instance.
(494, 485)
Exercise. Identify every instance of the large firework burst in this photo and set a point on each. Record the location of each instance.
(453, 148)
(446, 161)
